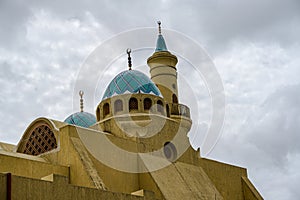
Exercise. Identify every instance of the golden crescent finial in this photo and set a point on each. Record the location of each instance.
(81, 93)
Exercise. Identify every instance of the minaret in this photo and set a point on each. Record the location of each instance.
(163, 69)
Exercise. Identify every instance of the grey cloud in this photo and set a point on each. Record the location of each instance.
(41, 55)
(13, 16)
(267, 143)
(218, 22)
(275, 129)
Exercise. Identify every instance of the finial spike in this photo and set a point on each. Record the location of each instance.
(128, 51)
(159, 27)
(81, 93)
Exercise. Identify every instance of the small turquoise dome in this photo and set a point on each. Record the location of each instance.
(82, 119)
(131, 81)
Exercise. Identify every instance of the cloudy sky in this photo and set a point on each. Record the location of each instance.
(254, 45)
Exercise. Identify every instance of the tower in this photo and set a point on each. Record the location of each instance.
(163, 69)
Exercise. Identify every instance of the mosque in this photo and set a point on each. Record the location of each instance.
(134, 147)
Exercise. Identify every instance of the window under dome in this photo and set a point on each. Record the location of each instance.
(131, 81)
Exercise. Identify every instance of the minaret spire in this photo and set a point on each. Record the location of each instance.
(160, 43)
(128, 51)
(81, 100)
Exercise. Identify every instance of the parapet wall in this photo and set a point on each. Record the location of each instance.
(56, 188)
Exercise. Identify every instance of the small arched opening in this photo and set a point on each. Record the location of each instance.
(160, 106)
(174, 98)
(168, 110)
(147, 103)
(133, 104)
(118, 105)
(98, 113)
(105, 109)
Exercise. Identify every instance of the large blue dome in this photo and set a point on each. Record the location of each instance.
(131, 81)
(82, 119)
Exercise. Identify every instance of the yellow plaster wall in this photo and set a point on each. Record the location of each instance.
(79, 173)
(163, 73)
(68, 156)
(159, 130)
(30, 168)
(250, 192)
(147, 182)
(115, 180)
(181, 181)
(226, 178)
(26, 188)
(3, 184)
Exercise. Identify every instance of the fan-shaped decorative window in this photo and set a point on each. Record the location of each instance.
(105, 109)
(147, 104)
(40, 140)
(118, 105)
(133, 104)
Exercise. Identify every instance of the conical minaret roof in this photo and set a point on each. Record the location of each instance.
(160, 43)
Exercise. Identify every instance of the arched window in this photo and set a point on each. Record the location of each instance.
(147, 104)
(160, 106)
(105, 109)
(133, 104)
(174, 98)
(98, 114)
(118, 105)
(168, 110)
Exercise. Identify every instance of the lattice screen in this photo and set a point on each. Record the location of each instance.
(40, 140)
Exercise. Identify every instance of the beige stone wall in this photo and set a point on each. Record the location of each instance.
(226, 178)
(117, 181)
(148, 183)
(87, 171)
(250, 192)
(68, 156)
(164, 74)
(59, 188)
(3, 186)
(30, 168)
